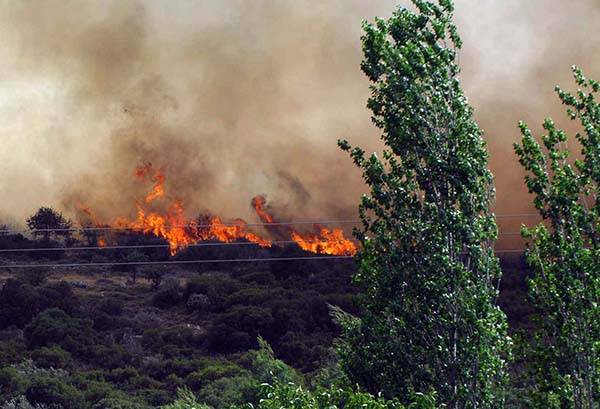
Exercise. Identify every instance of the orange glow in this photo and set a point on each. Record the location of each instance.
(323, 241)
(227, 233)
(164, 217)
(326, 241)
(259, 204)
(156, 176)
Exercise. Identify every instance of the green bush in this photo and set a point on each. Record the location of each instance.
(225, 393)
(290, 396)
(217, 287)
(50, 390)
(154, 397)
(122, 375)
(111, 306)
(12, 383)
(18, 303)
(239, 327)
(186, 400)
(34, 276)
(168, 295)
(58, 295)
(52, 357)
(220, 369)
(94, 391)
(11, 352)
(173, 341)
(119, 403)
(109, 356)
(56, 327)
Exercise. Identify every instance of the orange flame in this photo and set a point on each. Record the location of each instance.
(323, 241)
(156, 176)
(227, 233)
(259, 203)
(326, 241)
(171, 224)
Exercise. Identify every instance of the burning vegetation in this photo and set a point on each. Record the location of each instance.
(164, 217)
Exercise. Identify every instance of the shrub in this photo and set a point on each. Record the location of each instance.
(49, 390)
(52, 357)
(180, 337)
(220, 369)
(110, 356)
(111, 306)
(58, 295)
(12, 383)
(186, 400)
(34, 276)
(55, 327)
(239, 327)
(95, 391)
(198, 302)
(11, 352)
(153, 396)
(18, 303)
(168, 295)
(119, 403)
(215, 286)
(123, 375)
(230, 392)
(283, 395)
(265, 367)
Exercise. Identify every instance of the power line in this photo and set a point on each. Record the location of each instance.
(138, 263)
(144, 246)
(220, 261)
(231, 224)
(166, 246)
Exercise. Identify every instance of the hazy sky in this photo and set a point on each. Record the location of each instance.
(237, 98)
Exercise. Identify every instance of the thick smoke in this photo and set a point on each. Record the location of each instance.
(240, 98)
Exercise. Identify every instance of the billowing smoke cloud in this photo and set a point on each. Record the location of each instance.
(240, 98)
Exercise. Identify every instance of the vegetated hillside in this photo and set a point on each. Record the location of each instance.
(95, 334)
(177, 326)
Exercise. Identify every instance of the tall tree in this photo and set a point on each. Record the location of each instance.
(564, 253)
(427, 269)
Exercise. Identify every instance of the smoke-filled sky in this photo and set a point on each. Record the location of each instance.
(237, 98)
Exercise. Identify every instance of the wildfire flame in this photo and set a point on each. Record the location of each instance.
(156, 175)
(259, 203)
(170, 223)
(322, 241)
(326, 241)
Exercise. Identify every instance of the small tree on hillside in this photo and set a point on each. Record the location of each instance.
(427, 269)
(48, 223)
(134, 261)
(564, 253)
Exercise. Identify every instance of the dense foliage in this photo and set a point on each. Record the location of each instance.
(291, 396)
(119, 344)
(565, 255)
(427, 269)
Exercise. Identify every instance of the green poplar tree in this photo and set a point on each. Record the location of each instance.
(427, 269)
(564, 252)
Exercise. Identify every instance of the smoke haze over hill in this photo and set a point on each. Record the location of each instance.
(241, 98)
